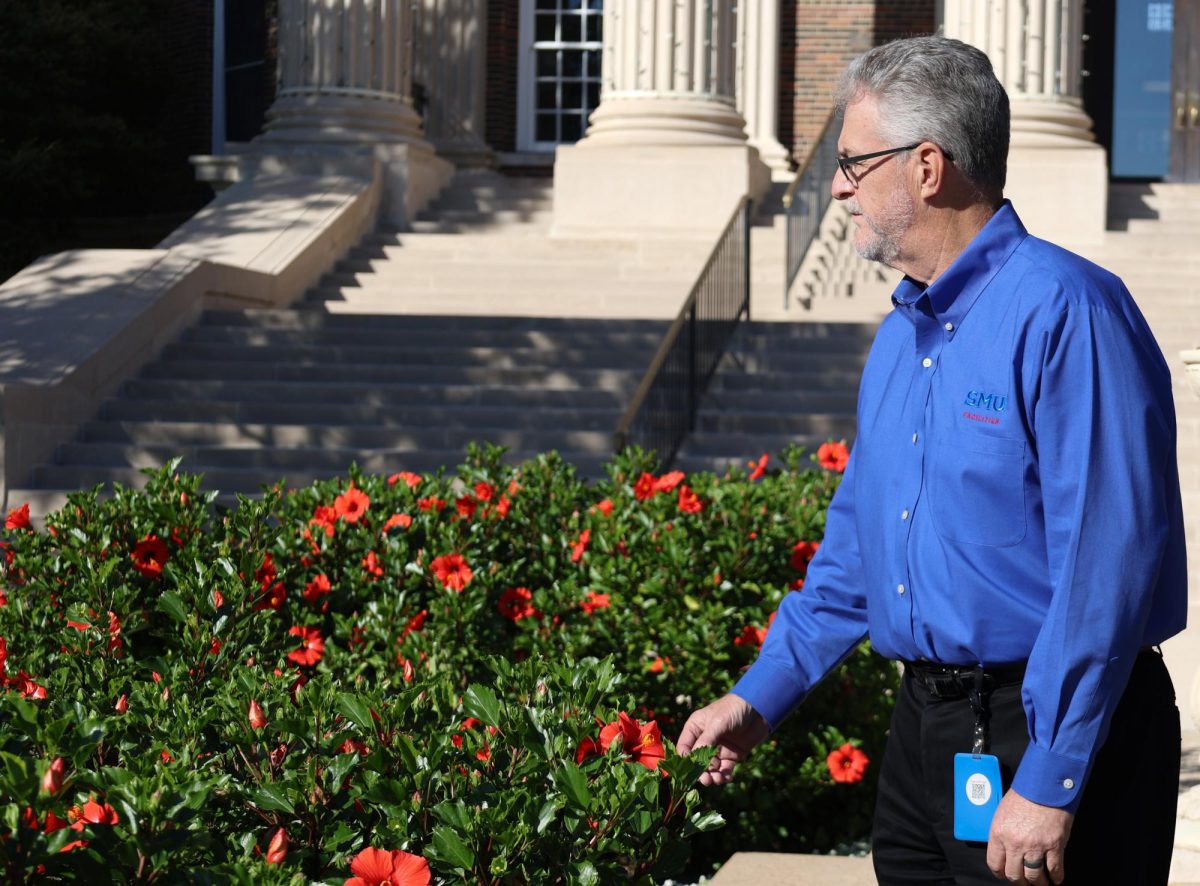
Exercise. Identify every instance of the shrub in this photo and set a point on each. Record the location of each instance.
(485, 670)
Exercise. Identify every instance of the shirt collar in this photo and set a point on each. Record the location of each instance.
(953, 294)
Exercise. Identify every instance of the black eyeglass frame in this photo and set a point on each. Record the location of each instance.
(844, 163)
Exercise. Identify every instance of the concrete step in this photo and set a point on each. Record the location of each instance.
(726, 444)
(594, 342)
(494, 358)
(288, 318)
(359, 436)
(182, 409)
(468, 278)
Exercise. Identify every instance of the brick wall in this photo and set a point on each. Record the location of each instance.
(503, 46)
(818, 40)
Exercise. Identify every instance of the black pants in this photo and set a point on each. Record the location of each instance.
(1125, 827)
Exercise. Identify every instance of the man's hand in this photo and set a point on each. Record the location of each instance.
(1026, 831)
(732, 726)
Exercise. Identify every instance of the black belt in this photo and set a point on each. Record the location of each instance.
(957, 681)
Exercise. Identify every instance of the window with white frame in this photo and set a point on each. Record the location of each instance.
(561, 75)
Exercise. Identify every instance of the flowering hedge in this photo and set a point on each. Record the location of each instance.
(471, 677)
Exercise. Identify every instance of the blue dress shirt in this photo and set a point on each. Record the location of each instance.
(1012, 496)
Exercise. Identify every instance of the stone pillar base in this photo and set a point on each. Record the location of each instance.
(1061, 193)
(412, 174)
(642, 190)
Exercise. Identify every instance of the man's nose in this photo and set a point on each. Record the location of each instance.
(840, 186)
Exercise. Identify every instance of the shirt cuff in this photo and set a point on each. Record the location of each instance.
(1050, 779)
(771, 689)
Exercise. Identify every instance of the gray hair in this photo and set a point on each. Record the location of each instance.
(940, 90)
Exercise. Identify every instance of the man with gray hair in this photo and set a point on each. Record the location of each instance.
(1009, 525)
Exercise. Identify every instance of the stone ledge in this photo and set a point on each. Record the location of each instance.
(757, 868)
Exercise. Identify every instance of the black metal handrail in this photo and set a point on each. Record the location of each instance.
(663, 410)
(806, 201)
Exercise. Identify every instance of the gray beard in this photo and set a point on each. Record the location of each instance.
(887, 228)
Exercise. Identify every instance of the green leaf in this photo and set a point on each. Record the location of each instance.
(355, 710)
(170, 603)
(271, 797)
(549, 813)
(585, 874)
(341, 765)
(481, 702)
(705, 821)
(573, 783)
(449, 846)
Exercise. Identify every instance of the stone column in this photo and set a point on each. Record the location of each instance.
(344, 101)
(1057, 174)
(666, 150)
(758, 81)
(451, 60)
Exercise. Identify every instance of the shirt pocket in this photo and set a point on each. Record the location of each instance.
(977, 490)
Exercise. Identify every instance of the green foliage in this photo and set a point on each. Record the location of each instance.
(432, 662)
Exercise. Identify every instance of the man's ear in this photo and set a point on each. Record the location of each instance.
(930, 170)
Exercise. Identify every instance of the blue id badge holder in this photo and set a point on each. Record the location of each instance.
(977, 786)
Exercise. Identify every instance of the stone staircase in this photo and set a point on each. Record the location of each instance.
(779, 384)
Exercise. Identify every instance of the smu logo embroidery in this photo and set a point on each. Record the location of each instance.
(980, 400)
(988, 402)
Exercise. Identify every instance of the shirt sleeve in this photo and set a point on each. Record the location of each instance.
(1104, 426)
(817, 626)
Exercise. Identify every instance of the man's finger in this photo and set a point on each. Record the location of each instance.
(1035, 869)
(1056, 868)
(995, 858)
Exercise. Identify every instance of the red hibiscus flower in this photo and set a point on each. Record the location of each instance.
(316, 588)
(644, 487)
(466, 507)
(411, 480)
(18, 518)
(594, 601)
(277, 849)
(53, 823)
(668, 482)
(452, 571)
(353, 746)
(847, 764)
(150, 555)
(431, 504)
(757, 469)
(580, 545)
(642, 743)
(53, 779)
(375, 867)
(92, 813)
(122, 704)
(689, 502)
(401, 520)
(802, 554)
(324, 518)
(312, 647)
(372, 566)
(517, 603)
(502, 506)
(484, 491)
(587, 748)
(415, 623)
(256, 716)
(751, 636)
(833, 456)
(605, 507)
(351, 505)
(656, 666)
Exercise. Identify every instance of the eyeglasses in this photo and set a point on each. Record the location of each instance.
(846, 164)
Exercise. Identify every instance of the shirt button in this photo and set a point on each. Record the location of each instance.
(949, 327)
(904, 515)
(914, 437)
(1068, 783)
(927, 362)
(900, 590)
